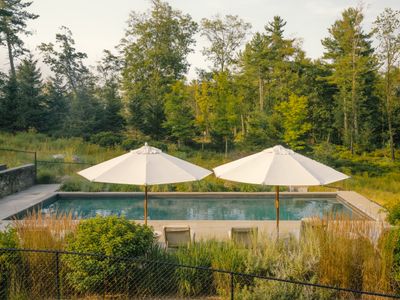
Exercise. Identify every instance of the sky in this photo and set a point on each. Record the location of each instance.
(100, 24)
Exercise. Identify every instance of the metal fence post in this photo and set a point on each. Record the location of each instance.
(35, 157)
(232, 287)
(58, 275)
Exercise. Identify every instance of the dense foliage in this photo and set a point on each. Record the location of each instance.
(340, 253)
(111, 236)
(261, 89)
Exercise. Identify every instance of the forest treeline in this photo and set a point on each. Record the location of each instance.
(261, 88)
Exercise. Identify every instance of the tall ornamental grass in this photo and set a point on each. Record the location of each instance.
(355, 254)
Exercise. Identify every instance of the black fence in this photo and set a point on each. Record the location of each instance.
(43, 274)
(56, 167)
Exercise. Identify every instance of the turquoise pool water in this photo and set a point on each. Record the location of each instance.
(200, 208)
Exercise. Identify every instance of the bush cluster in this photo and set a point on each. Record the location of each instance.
(105, 236)
(332, 257)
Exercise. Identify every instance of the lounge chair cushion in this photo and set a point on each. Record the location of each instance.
(176, 236)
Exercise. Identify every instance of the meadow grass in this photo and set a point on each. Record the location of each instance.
(373, 174)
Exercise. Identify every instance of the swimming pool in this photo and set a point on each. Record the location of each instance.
(197, 206)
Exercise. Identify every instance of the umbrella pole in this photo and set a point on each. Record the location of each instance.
(145, 205)
(277, 209)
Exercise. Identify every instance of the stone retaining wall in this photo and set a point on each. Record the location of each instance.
(16, 179)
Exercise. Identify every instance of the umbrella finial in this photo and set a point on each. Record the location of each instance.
(278, 149)
(146, 149)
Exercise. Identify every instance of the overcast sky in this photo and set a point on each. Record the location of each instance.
(100, 24)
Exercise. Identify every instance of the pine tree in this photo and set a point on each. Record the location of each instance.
(13, 19)
(84, 110)
(109, 79)
(9, 105)
(387, 30)
(29, 96)
(350, 54)
(56, 106)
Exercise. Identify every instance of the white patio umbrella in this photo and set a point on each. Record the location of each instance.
(278, 166)
(145, 166)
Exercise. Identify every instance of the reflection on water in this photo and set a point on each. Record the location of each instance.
(179, 208)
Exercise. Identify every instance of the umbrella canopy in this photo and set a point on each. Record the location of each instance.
(144, 166)
(278, 166)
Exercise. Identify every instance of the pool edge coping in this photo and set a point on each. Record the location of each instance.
(366, 207)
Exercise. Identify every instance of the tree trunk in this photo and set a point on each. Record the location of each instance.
(226, 146)
(10, 56)
(242, 123)
(261, 92)
(389, 112)
(391, 143)
(345, 121)
(353, 102)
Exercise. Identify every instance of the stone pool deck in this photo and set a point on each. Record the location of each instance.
(363, 204)
(218, 229)
(204, 229)
(17, 202)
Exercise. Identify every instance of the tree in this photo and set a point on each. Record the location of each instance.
(268, 63)
(349, 52)
(13, 19)
(109, 70)
(29, 95)
(56, 106)
(387, 30)
(155, 52)
(271, 68)
(224, 113)
(64, 60)
(8, 104)
(84, 110)
(202, 104)
(294, 120)
(322, 106)
(179, 113)
(225, 37)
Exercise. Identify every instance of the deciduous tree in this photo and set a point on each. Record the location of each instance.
(225, 37)
(387, 30)
(155, 52)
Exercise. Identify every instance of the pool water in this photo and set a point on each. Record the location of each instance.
(200, 208)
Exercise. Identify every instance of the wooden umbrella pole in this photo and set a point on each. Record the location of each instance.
(277, 209)
(145, 205)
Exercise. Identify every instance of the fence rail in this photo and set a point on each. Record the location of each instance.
(45, 163)
(53, 274)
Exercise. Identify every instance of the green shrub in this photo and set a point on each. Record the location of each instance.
(73, 184)
(160, 145)
(266, 289)
(8, 238)
(9, 261)
(106, 139)
(394, 214)
(46, 177)
(129, 144)
(393, 241)
(111, 236)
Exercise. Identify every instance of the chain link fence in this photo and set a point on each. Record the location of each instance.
(42, 274)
